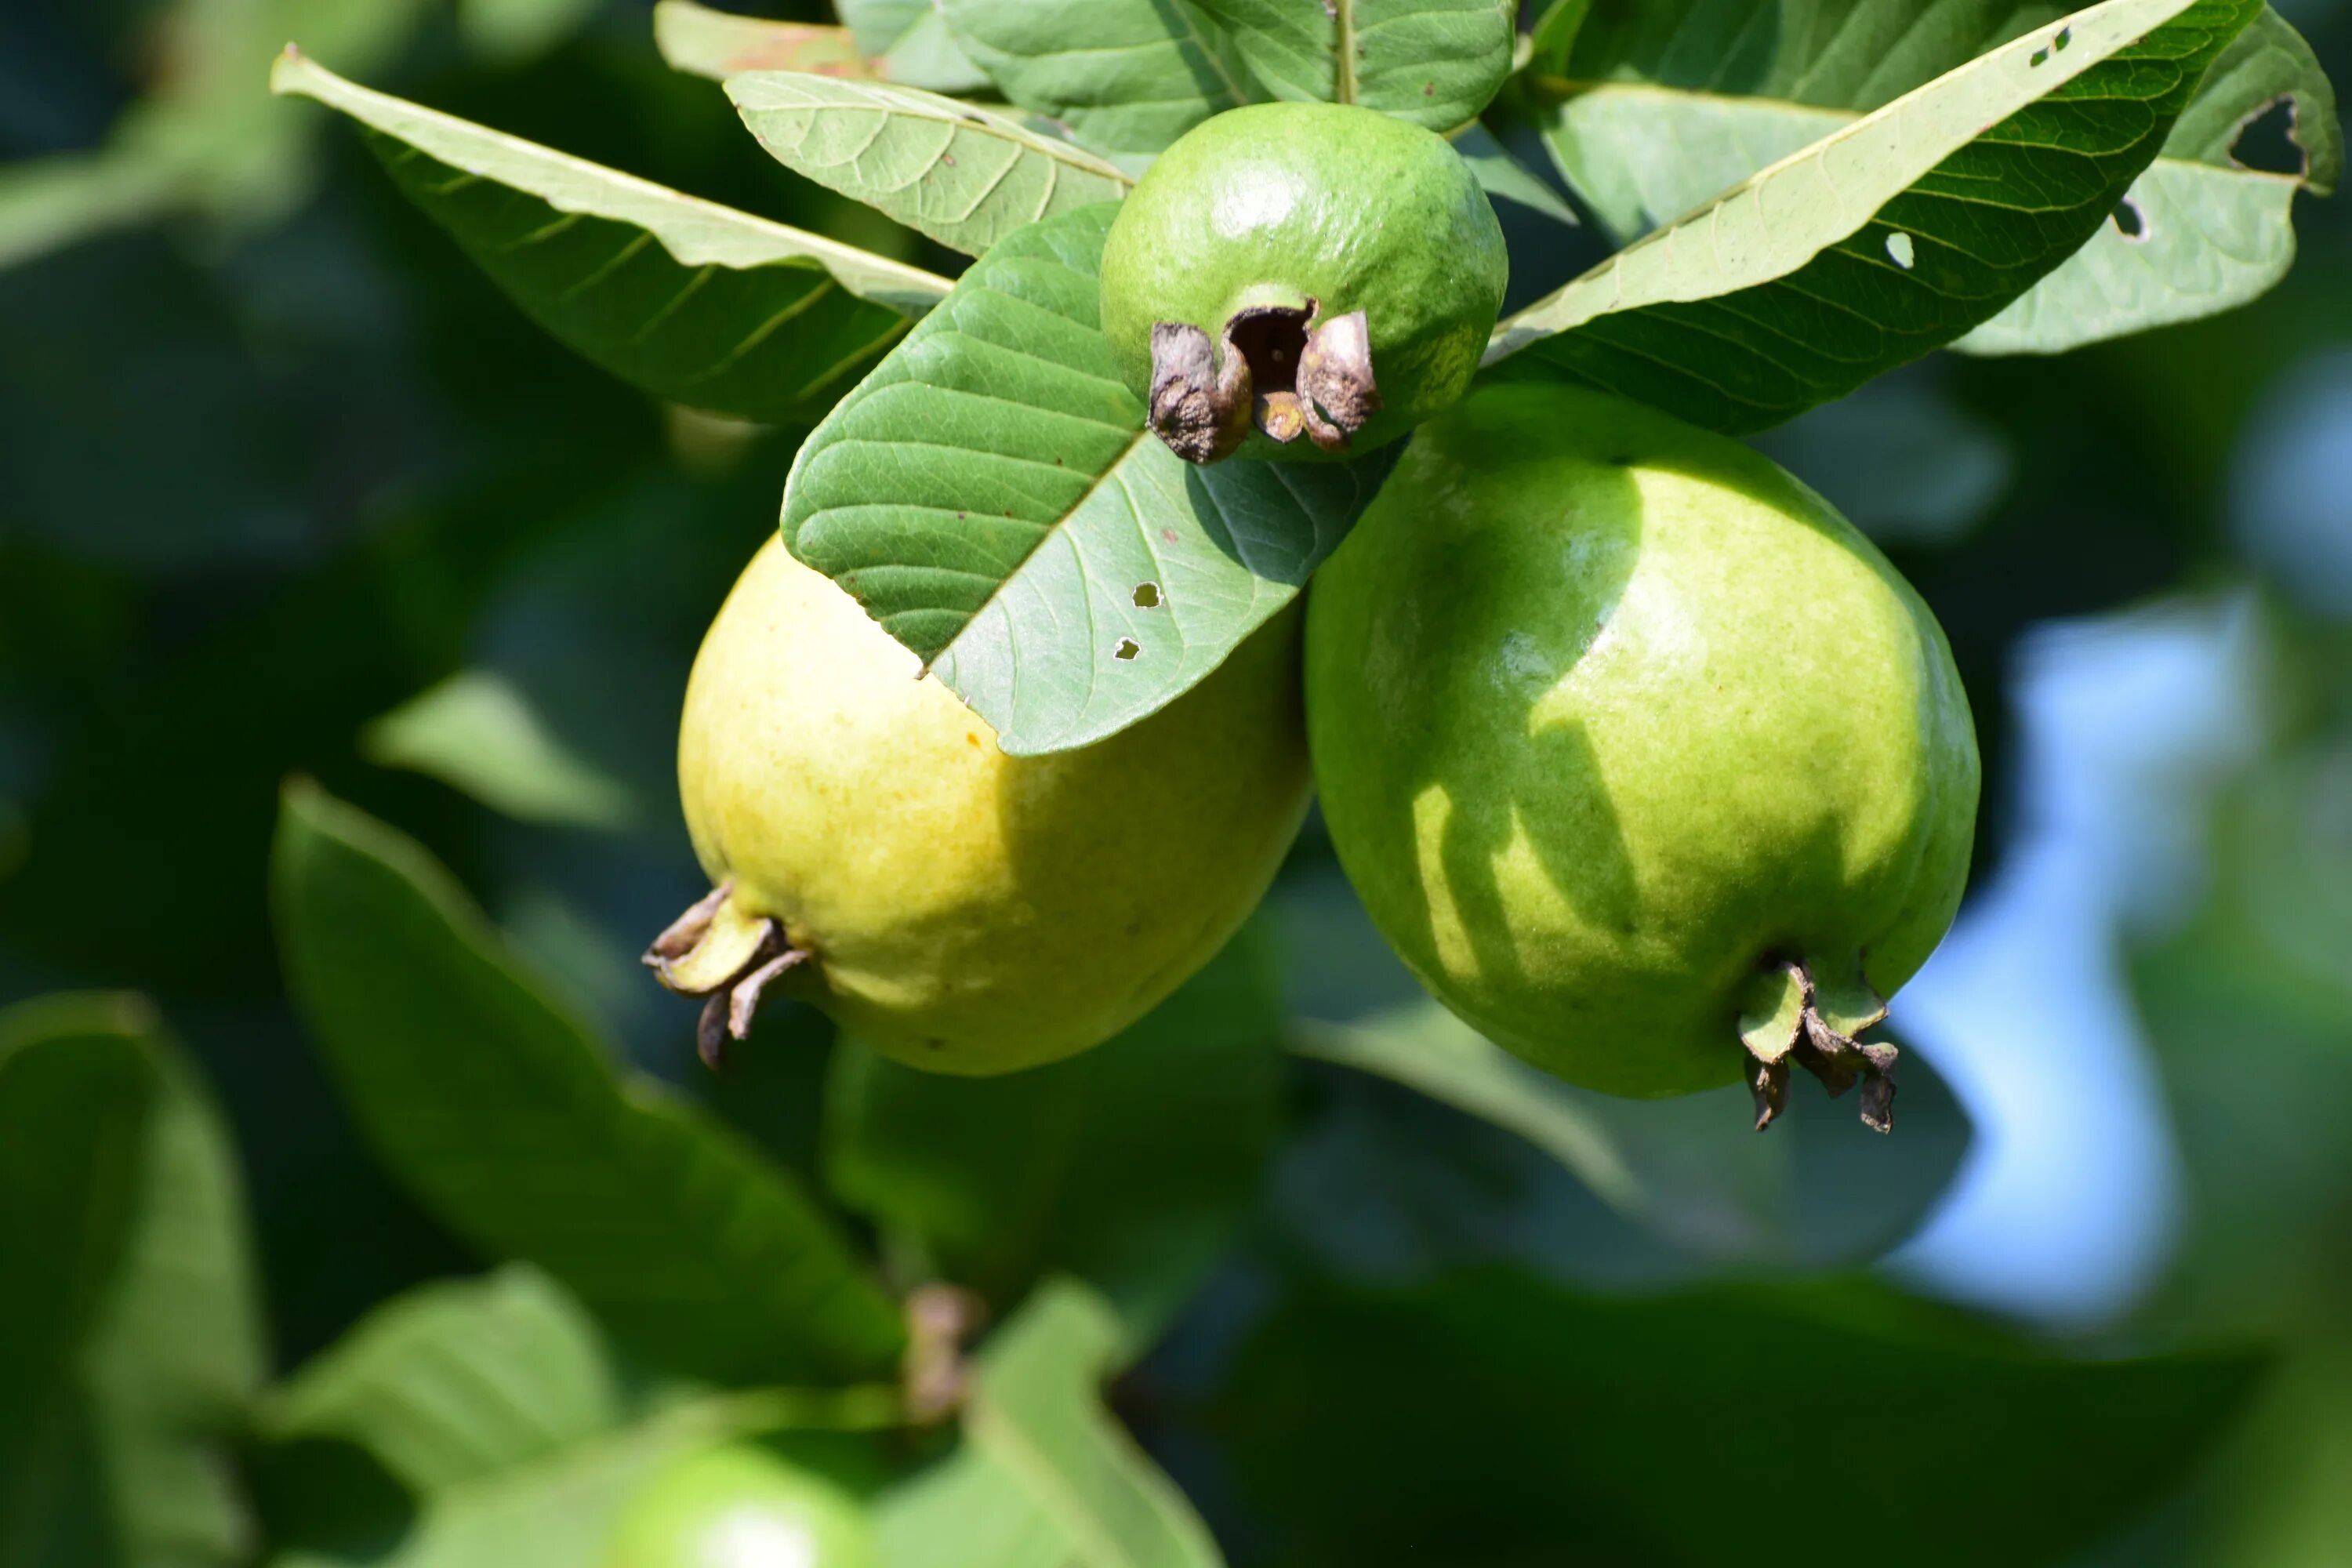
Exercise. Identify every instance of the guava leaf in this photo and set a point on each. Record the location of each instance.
(720, 44)
(506, 1117)
(1891, 235)
(131, 1340)
(459, 1379)
(476, 733)
(512, 30)
(1433, 62)
(909, 42)
(1126, 76)
(1647, 132)
(1821, 1192)
(1162, 1133)
(964, 175)
(692, 301)
(1552, 1408)
(1045, 1473)
(1503, 176)
(992, 497)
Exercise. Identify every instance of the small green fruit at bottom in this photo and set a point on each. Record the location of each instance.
(1647, 764)
(1301, 268)
(873, 851)
(738, 1506)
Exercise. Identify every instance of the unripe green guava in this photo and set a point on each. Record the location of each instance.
(959, 909)
(1301, 268)
(740, 1505)
(1647, 764)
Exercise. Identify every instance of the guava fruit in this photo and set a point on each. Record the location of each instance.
(1301, 268)
(1647, 764)
(874, 852)
(738, 1506)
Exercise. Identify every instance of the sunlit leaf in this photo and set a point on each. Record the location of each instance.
(721, 44)
(909, 42)
(478, 732)
(966, 176)
(1891, 235)
(1435, 62)
(693, 301)
(1126, 76)
(507, 1120)
(992, 496)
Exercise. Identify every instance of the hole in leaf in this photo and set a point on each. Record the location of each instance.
(2041, 57)
(1147, 596)
(1899, 249)
(1127, 648)
(1271, 337)
(2130, 222)
(2065, 37)
(2267, 142)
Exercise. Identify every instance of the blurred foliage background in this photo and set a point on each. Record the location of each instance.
(287, 489)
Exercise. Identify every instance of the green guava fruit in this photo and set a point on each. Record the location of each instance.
(1648, 764)
(1301, 268)
(874, 852)
(738, 1506)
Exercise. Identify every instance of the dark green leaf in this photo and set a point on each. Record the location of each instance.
(1435, 62)
(691, 301)
(1126, 1166)
(1044, 1474)
(1822, 1425)
(131, 1340)
(1126, 76)
(990, 495)
(506, 1119)
(1891, 235)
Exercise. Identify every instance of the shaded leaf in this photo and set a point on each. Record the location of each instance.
(478, 733)
(990, 494)
(458, 1380)
(1433, 62)
(506, 1119)
(1044, 1474)
(1126, 1166)
(909, 42)
(1504, 176)
(1834, 1424)
(966, 176)
(129, 1336)
(1820, 1191)
(691, 301)
(518, 29)
(1889, 237)
(1126, 76)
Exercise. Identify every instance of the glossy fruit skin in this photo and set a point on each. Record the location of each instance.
(1606, 710)
(738, 1506)
(1278, 203)
(969, 911)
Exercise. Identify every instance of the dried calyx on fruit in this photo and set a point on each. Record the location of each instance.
(1301, 270)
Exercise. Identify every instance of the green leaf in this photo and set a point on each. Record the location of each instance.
(130, 1332)
(692, 301)
(1044, 1474)
(458, 1380)
(966, 176)
(1819, 1191)
(478, 733)
(720, 44)
(1127, 1166)
(1504, 176)
(1126, 76)
(1645, 131)
(2211, 234)
(1433, 62)
(507, 1120)
(909, 42)
(1823, 1425)
(510, 30)
(1889, 237)
(990, 495)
